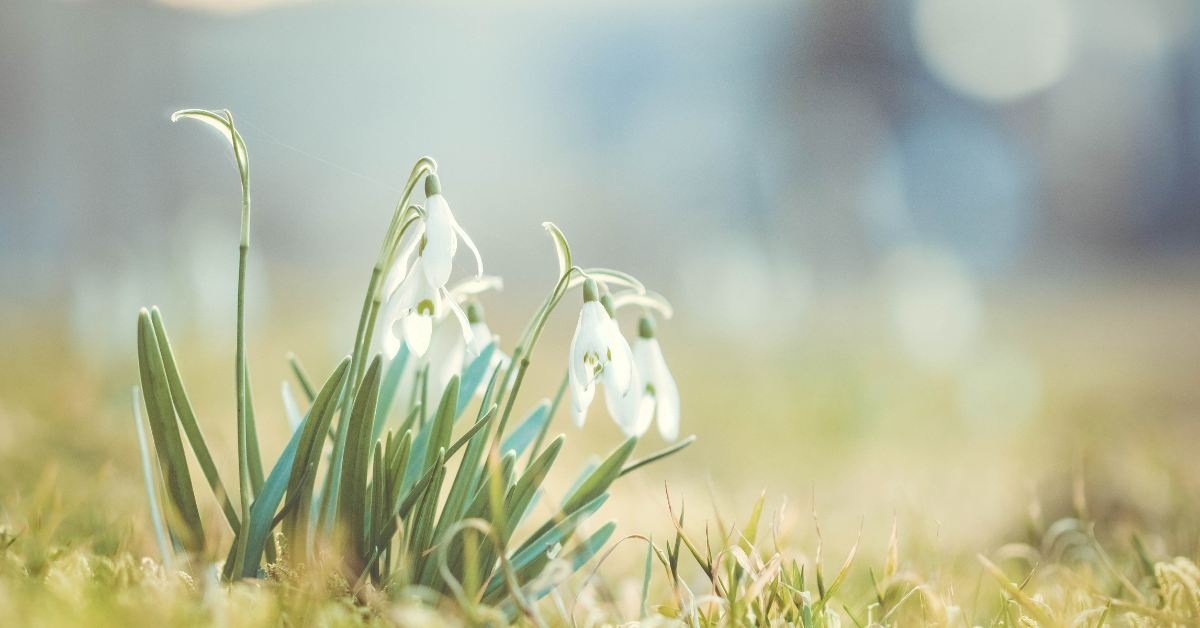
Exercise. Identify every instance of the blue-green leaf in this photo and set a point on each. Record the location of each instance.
(528, 430)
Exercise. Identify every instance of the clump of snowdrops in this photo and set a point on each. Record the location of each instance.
(360, 489)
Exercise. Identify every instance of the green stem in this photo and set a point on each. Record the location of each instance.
(537, 444)
(240, 367)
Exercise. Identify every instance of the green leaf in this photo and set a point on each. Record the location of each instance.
(589, 466)
(529, 428)
(290, 408)
(188, 419)
(472, 377)
(658, 455)
(262, 511)
(302, 376)
(434, 436)
(423, 519)
(352, 499)
(596, 483)
(533, 558)
(561, 246)
(181, 500)
(575, 559)
(387, 390)
(308, 454)
(464, 479)
(148, 475)
(519, 498)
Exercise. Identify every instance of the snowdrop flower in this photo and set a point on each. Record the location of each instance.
(625, 409)
(416, 303)
(442, 233)
(598, 347)
(658, 395)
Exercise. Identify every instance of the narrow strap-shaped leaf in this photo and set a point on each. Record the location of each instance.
(529, 428)
(160, 533)
(387, 389)
(464, 479)
(589, 466)
(302, 376)
(595, 484)
(519, 498)
(575, 559)
(351, 498)
(181, 500)
(290, 408)
(253, 454)
(308, 452)
(530, 561)
(378, 503)
(422, 523)
(658, 455)
(434, 436)
(262, 511)
(472, 378)
(187, 418)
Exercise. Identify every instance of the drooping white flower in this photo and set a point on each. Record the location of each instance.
(626, 410)
(658, 395)
(597, 348)
(442, 232)
(416, 303)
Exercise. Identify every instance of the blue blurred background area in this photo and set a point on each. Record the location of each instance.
(873, 216)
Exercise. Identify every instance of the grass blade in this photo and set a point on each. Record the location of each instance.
(177, 481)
(155, 516)
(351, 498)
(187, 418)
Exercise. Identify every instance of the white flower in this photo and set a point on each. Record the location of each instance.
(627, 409)
(416, 303)
(441, 232)
(657, 392)
(598, 347)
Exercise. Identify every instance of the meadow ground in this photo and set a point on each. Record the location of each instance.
(835, 424)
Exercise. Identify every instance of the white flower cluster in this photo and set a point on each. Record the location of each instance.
(430, 320)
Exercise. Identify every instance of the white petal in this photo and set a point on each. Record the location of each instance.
(417, 329)
(470, 245)
(621, 365)
(468, 336)
(623, 408)
(580, 398)
(445, 357)
(440, 241)
(575, 364)
(649, 359)
(397, 273)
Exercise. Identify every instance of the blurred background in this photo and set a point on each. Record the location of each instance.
(937, 258)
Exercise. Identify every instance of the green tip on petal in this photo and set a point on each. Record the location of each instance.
(645, 327)
(590, 291)
(474, 311)
(432, 185)
(607, 301)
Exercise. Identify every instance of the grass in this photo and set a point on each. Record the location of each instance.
(82, 546)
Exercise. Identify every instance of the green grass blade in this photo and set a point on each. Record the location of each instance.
(187, 418)
(387, 389)
(351, 497)
(532, 425)
(519, 498)
(290, 408)
(262, 511)
(168, 442)
(155, 516)
(302, 376)
(464, 479)
(659, 455)
(575, 559)
(253, 454)
(472, 378)
(434, 436)
(302, 479)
